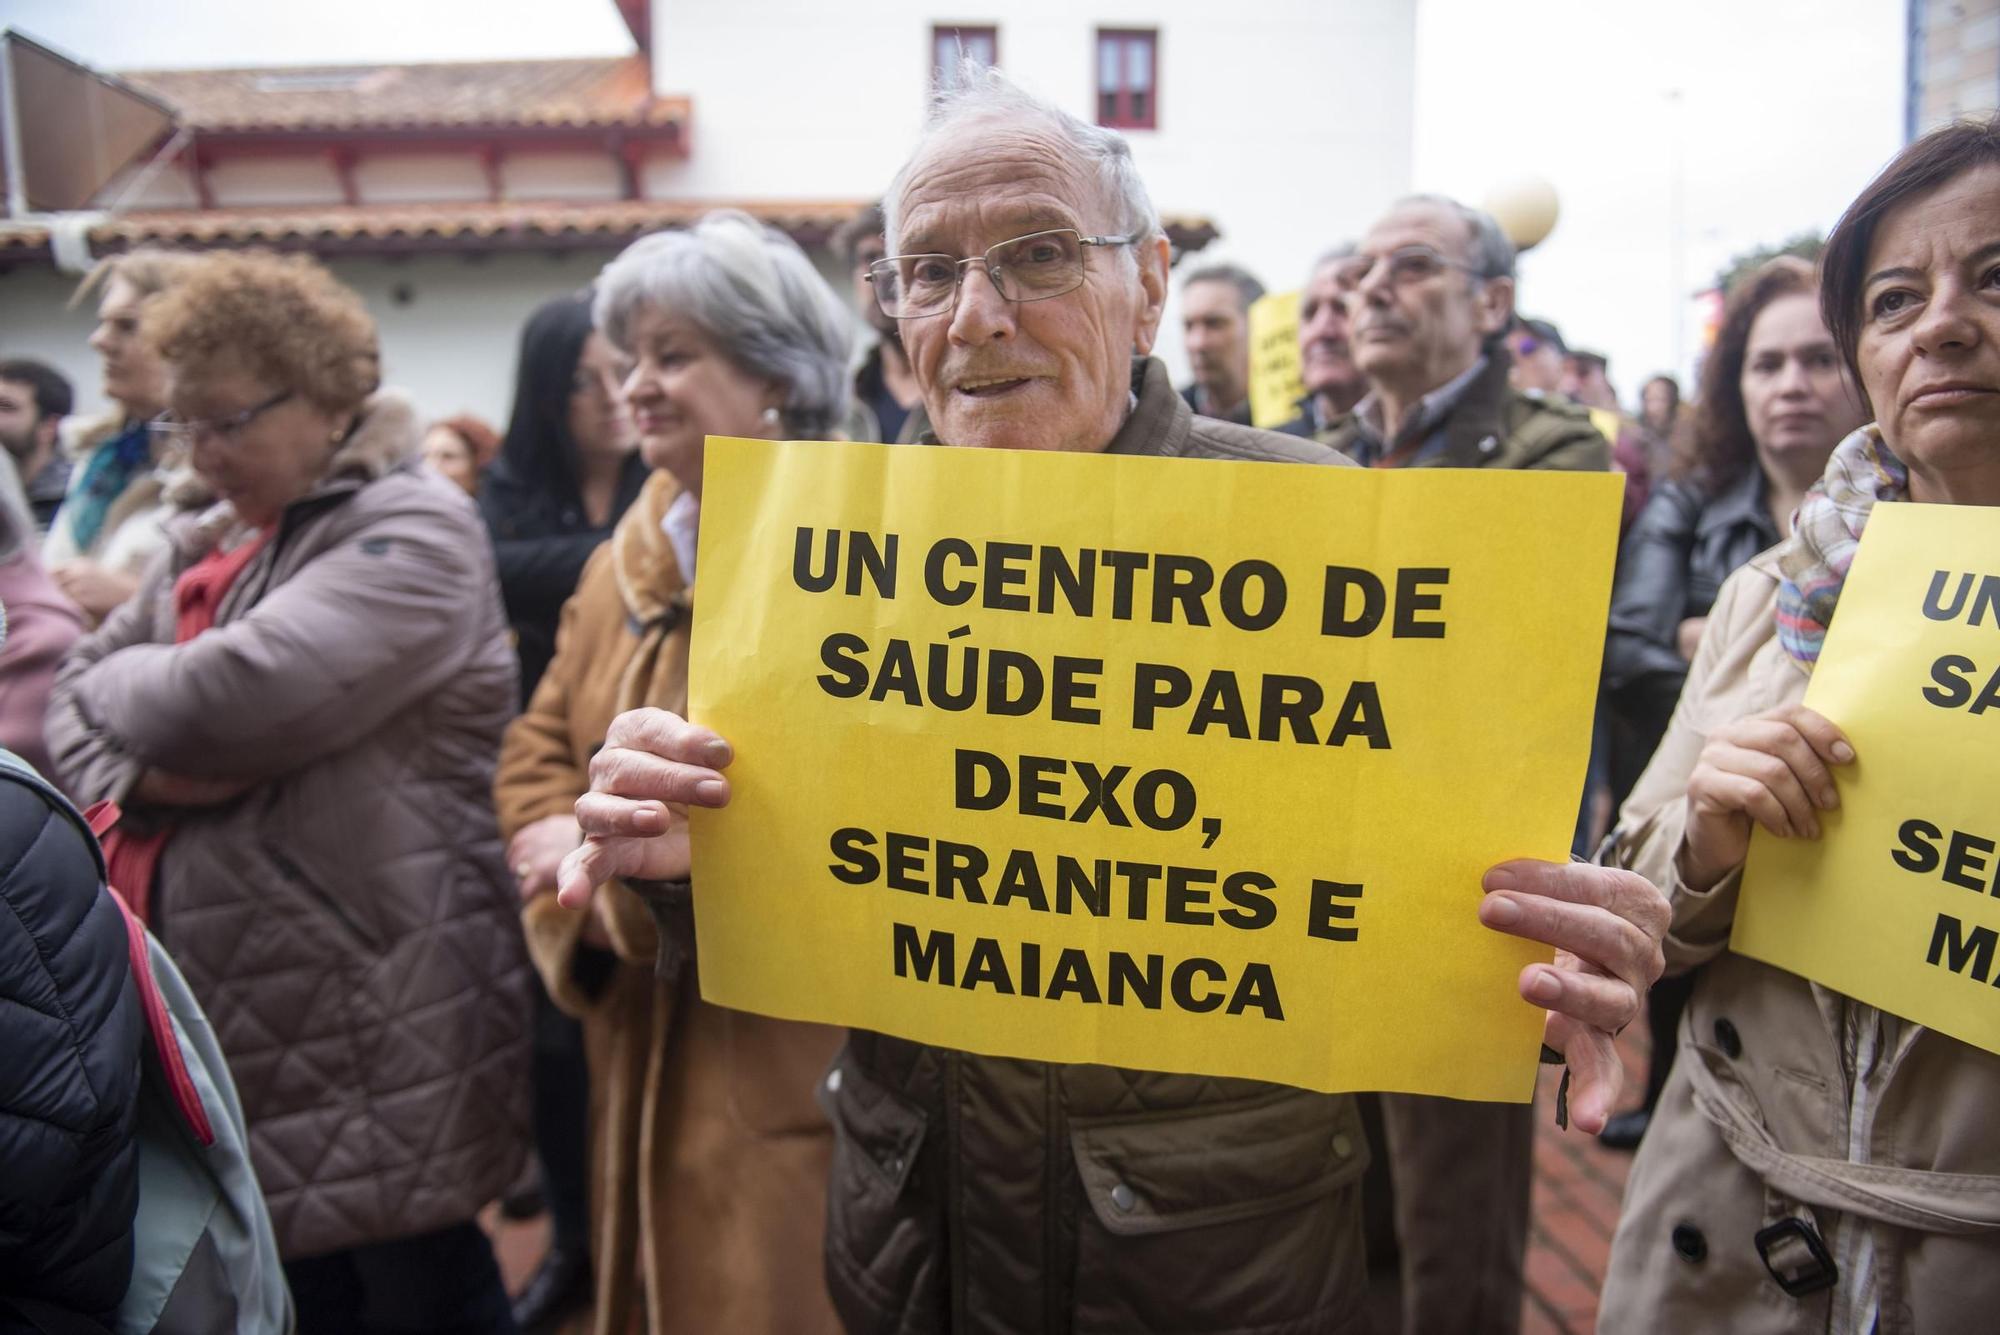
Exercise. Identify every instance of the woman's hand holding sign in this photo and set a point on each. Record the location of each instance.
(652, 767)
(1605, 925)
(1773, 769)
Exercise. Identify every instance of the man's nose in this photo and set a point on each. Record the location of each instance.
(982, 314)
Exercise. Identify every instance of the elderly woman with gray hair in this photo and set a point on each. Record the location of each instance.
(709, 1160)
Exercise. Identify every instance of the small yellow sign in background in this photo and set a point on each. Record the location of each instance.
(1276, 373)
(1485, 705)
(1842, 910)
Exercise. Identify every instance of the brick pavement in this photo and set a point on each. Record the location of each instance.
(1578, 1186)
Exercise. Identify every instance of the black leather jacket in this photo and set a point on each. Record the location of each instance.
(1672, 563)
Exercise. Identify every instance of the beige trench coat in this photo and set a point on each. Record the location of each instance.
(1790, 1102)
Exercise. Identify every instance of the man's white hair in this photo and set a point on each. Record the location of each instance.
(981, 97)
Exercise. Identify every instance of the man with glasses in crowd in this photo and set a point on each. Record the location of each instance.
(1430, 297)
(1430, 294)
(969, 1193)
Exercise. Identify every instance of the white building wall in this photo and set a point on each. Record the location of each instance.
(450, 326)
(415, 178)
(1286, 122)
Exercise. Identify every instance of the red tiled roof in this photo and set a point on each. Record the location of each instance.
(502, 94)
(474, 226)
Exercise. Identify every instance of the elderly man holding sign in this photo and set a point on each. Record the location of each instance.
(1825, 1155)
(1028, 267)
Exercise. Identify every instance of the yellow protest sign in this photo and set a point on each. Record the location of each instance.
(1275, 377)
(1174, 764)
(1895, 903)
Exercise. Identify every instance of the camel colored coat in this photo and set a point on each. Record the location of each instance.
(709, 1158)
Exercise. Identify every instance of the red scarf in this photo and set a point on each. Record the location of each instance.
(133, 858)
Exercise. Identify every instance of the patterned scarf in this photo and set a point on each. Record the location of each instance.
(110, 469)
(1825, 533)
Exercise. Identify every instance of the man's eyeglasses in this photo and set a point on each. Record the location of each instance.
(1028, 268)
(1407, 266)
(172, 430)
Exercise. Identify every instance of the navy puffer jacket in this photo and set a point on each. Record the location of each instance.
(70, 1032)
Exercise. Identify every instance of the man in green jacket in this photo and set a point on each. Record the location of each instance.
(1430, 294)
(992, 1195)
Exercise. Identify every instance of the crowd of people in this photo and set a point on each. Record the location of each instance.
(390, 712)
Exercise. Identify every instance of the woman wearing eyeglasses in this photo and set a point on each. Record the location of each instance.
(709, 1157)
(299, 712)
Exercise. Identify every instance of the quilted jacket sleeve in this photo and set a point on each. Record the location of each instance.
(93, 764)
(368, 627)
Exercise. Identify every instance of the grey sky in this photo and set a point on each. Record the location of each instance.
(1786, 108)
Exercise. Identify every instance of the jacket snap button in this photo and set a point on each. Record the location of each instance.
(1689, 1244)
(1123, 1197)
(1728, 1039)
(1342, 1146)
(895, 1166)
(833, 1082)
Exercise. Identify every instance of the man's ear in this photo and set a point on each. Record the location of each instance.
(1495, 303)
(46, 432)
(1153, 257)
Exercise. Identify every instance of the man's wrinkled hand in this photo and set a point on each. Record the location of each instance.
(654, 765)
(1606, 926)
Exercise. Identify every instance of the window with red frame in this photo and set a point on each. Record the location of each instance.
(953, 43)
(1128, 78)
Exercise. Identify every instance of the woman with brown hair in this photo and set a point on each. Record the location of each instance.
(1815, 1163)
(1774, 403)
(299, 712)
(459, 449)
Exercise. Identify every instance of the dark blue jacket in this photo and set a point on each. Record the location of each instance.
(70, 1034)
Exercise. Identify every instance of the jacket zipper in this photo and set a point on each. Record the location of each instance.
(954, 1159)
(1055, 1267)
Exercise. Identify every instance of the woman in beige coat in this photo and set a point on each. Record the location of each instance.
(709, 1157)
(1816, 1164)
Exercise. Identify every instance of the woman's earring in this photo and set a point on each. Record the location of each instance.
(772, 416)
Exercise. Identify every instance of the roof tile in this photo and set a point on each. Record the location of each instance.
(581, 93)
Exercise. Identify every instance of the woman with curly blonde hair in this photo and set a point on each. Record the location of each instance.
(299, 712)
